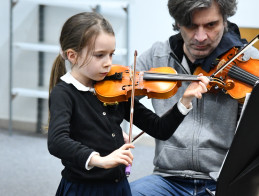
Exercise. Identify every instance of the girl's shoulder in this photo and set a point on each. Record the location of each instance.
(62, 94)
(62, 88)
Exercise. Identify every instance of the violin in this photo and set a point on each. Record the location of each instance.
(245, 74)
(158, 83)
(233, 75)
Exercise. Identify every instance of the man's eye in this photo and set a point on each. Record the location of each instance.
(212, 24)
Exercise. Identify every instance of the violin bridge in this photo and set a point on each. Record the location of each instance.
(221, 63)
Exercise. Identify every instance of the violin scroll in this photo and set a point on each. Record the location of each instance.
(216, 84)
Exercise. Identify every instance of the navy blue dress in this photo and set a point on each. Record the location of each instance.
(120, 188)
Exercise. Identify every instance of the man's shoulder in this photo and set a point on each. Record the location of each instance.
(160, 48)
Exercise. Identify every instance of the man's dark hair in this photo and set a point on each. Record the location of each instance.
(181, 10)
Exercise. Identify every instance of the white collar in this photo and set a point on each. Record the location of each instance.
(69, 79)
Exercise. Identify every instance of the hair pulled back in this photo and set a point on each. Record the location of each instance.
(78, 31)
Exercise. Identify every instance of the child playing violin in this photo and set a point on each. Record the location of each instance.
(85, 134)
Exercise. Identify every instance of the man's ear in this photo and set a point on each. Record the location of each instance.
(72, 56)
(177, 25)
(225, 23)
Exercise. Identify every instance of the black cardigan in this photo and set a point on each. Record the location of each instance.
(80, 124)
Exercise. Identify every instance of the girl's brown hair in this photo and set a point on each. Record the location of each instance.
(78, 31)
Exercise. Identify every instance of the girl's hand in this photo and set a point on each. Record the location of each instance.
(195, 89)
(117, 157)
(125, 137)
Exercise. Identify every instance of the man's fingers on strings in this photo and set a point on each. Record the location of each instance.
(199, 95)
(204, 79)
(203, 86)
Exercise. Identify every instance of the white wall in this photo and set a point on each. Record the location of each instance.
(4, 56)
(247, 14)
(149, 22)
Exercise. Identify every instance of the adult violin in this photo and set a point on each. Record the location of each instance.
(158, 83)
(245, 74)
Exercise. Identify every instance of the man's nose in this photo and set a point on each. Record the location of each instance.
(200, 34)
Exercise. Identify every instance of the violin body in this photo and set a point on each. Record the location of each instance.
(119, 89)
(158, 83)
(244, 74)
(242, 87)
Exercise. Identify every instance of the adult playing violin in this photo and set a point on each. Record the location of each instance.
(199, 145)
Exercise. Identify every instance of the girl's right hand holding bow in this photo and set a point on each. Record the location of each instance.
(117, 157)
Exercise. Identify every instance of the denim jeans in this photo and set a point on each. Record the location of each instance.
(155, 185)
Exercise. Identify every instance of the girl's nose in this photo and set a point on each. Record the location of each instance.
(108, 61)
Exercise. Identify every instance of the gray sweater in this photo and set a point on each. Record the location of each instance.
(200, 143)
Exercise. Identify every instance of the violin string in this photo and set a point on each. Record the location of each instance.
(244, 74)
(238, 71)
(254, 78)
(241, 74)
(237, 55)
(233, 70)
(173, 76)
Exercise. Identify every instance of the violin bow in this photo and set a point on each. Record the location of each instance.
(236, 55)
(133, 78)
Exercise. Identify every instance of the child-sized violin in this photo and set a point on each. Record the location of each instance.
(158, 83)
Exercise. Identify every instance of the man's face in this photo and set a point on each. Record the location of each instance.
(205, 33)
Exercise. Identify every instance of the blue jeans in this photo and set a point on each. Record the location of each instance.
(155, 185)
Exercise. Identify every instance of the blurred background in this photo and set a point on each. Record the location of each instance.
(29, 44)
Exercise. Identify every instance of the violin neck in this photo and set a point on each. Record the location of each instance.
(169, 77)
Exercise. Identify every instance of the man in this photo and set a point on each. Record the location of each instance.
(199, 145)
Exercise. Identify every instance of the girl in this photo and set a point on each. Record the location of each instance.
(85, 134)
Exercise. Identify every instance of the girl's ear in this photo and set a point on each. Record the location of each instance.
(71, 56)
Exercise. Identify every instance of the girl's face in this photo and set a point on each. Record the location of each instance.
(99, 63)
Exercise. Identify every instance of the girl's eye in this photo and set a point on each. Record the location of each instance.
(99, 55)
(103, 55)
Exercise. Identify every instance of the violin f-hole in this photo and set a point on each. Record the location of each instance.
(129, 85)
